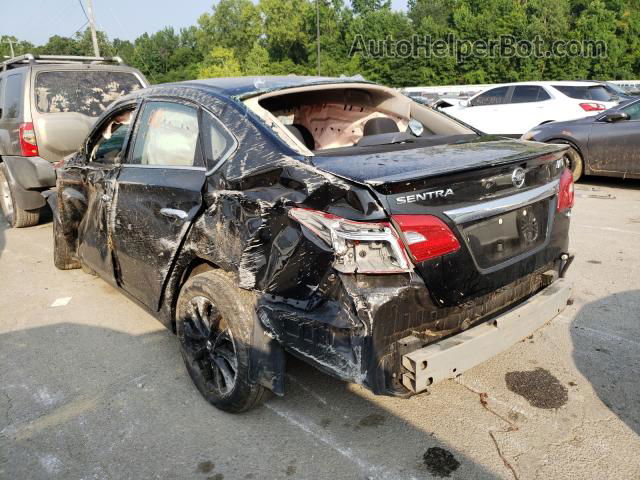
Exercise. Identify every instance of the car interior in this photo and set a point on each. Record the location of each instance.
(328, 117)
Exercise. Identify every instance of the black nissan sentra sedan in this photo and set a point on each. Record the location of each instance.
(337, 220)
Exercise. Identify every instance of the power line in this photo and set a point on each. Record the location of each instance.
(83, 10)
(83, 25)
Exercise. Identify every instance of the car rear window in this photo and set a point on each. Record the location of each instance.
(596, 92)
(86, 92)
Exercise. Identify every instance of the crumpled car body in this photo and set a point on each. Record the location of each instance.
(357, 249)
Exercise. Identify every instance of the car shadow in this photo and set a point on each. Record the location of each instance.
(606, 354)
(79, 401)
(608, 182)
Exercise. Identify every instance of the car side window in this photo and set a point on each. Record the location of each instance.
(633, 111)
(529, 93)
(1, 105)
(167, 135)
(495, 96)
(109, 143)
(13, 97)
(217, 140)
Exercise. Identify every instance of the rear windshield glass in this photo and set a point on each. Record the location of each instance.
(586, 93)
(86, 92)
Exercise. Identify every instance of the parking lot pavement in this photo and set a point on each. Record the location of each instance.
(91, 386)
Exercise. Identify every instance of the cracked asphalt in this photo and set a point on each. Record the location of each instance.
(95, 388)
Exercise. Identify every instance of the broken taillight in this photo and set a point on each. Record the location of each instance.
(426, 236)
(565, 192)
(592, 107)
(364, 247)
(27, 137)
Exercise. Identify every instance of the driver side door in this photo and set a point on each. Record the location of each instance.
(104, 152)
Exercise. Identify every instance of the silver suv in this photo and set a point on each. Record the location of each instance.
(48, 104)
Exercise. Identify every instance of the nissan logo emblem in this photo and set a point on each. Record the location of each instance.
(517, 177)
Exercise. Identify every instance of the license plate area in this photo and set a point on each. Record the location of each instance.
(500, 238)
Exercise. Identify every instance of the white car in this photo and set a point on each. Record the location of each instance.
(515, 108)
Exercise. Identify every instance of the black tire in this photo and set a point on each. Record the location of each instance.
(574, 161)
(63, 254)
(214, 321)
(16, 216)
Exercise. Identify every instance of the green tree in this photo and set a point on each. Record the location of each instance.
(285, 29)
(219, 62)
(234, 24)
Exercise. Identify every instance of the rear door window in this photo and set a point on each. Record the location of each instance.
(12, 107)
(495, 96)
(168, 135)
(86, 92)
(529, 93)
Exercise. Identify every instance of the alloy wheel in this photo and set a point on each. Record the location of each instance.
(209, 345)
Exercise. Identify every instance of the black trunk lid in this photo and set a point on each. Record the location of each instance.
(497, 195)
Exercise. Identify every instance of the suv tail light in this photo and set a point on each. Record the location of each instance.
(592, 107)
(27, 136)
(565, 193)
(364, 247)
(426, 236)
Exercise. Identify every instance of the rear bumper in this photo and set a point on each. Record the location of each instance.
(28, 177)
(450, 357)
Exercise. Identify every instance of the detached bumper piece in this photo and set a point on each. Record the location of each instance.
(450, 357)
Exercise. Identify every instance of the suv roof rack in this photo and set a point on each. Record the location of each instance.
(30, 59)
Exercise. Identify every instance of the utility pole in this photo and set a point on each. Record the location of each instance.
(318, 34)
(10, 42)
(92, 25)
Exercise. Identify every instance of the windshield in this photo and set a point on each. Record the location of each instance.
(86, 92)
(615, 89)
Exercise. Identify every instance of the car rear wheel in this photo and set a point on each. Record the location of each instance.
(63, 257)
(16, 216)
(214, 321)
(574, 161)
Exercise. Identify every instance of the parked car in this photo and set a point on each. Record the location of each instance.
(607, 144)
(515, 108)
(48, 103)
(333, 219)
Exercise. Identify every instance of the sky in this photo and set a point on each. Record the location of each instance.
(37, 20)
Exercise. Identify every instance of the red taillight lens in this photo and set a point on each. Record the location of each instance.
(592, 107)
(426, 236)
(565, 193)
(27, 136)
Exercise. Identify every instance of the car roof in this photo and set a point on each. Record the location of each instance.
(546, 83)
(247, 86)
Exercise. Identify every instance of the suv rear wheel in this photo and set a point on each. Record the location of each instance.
(214, 321)
(16, 216)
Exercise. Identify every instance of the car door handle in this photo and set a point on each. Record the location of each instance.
(174, 213)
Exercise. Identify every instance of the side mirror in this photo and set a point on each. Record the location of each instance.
(466, 103)
(615, 117)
